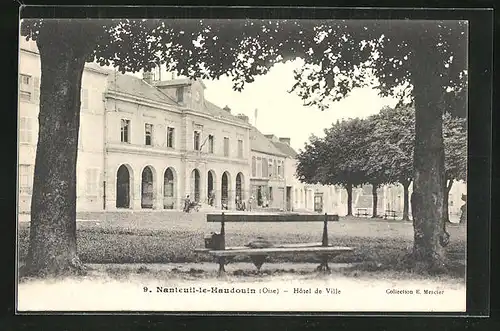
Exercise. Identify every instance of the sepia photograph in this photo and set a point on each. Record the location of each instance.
(242, 165)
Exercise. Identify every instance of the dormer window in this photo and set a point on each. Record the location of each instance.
(180, 94)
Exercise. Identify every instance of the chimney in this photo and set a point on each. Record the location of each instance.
(243, 117)
(285, 140)
(271, 137)
(147, 76)
(227, 109)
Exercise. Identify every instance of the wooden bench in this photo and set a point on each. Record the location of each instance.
(362, 211)
(390, 213)
(258, 255)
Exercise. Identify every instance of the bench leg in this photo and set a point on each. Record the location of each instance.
(258, 261)
(324, 265)
(222, 270)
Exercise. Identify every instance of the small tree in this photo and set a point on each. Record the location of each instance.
(455, 147)
(393, 138)
(393, 144)
(338, 158)
(375, 167)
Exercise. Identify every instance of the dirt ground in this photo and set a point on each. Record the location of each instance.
(279, 287)
(154, 236)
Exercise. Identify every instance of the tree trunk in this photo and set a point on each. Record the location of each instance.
(52, 247)
(349, 199)
(428, 186)
(406, 202)
(446, 196)
(375, 200)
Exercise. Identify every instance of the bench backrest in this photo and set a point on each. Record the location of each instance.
(271, 218)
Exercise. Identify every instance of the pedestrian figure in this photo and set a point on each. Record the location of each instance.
(250, 202)
(211, 198)
(187, 203)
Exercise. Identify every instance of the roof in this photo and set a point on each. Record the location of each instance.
(259, 143)
(285, 148)
(178, 82)
(218, 112)
(136, 86)
(96, 67)
(173, 82)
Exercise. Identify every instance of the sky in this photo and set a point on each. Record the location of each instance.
(283, 114)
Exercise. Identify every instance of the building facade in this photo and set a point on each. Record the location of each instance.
(267, 183)
(147, 144)
(143, 144)
(90, 155)
(301, 196)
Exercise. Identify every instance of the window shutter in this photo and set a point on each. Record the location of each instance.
(88, 181)
(79, 183)
(80, 140)
(36, 89)
(22, 129)
(29, 130)
(85, 99)
(31, 89)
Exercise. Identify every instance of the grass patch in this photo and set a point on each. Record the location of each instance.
(171, 238)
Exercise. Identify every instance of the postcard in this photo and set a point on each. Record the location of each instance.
(242, 165)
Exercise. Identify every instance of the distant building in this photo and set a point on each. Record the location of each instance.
(299, 196)
(267, 172)
(391, 197)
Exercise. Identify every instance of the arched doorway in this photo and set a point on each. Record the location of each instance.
(169, 189)
(123, 187)
(211, 188)
(195, 185)
(225, 190)
(147, 188)
(240, 193)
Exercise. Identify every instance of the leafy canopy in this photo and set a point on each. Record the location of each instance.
(338, 158)
(392, 143)
(455, 147)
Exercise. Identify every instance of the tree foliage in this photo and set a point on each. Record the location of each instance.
(339, 158)
(378, 150)
(339, 55)
(393, 140)
(455, 147)
(386, 50)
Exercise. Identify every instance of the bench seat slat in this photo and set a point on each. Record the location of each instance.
(271, 218)
(206, 250)
(274, 250)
